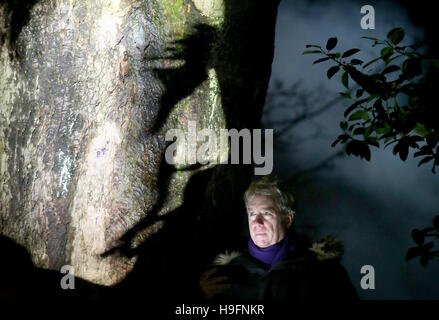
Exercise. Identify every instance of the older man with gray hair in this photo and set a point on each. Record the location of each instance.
(279, 264)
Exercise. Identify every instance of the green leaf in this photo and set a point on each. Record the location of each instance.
(359, 149)
(345, 95)
(321, 60)
(313, 46)
(396, 35)
(359, 93)
(366, 134)
(373, 143)
(425, 160)
(353, 126)
(359, 114)
(383, 130)
(420, 129)
(332, 71)
(413, 139)
(334, 55)
(370, 38)
(366, 82)
(342, 138)
(332, 42)
(378, 76)
(343, 125)
(424, 151)
(350, 52)
(311, 51)
(345, 79)
(356, 61)
(391, 68)
(432, 139)
(388, 137)
(353, 106)
(351, 147)
(366, 152)
(386, 52)
(335, 142)
(358, 131)
(402, 148)
(378, 106)
(370, 62)
(412, 67)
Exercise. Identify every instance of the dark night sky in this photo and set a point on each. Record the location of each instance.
(371, 206)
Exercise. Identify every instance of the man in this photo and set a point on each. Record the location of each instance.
(279, 264)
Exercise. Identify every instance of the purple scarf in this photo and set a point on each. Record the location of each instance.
(271, 254)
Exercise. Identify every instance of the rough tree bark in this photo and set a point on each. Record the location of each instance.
(88, 90)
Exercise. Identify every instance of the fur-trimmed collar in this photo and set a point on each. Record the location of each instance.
(325, 249)
(328, 248)
(226, 257)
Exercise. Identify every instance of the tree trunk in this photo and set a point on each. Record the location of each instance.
(88, 90)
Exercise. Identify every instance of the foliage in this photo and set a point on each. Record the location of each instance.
(393, 106)
(423, 250)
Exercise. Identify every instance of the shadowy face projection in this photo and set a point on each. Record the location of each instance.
(88, 91)
(267, 225)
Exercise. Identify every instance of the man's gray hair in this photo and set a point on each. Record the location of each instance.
(271, 186)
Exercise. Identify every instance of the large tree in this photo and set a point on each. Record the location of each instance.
(88, 90)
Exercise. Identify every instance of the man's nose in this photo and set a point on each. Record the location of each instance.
(259, 218)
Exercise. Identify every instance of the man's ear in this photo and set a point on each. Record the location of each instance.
(290, 218)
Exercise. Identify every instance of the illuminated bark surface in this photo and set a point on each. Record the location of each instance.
(87, 92)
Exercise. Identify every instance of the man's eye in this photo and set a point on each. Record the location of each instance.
(267, 213)
(251, 213)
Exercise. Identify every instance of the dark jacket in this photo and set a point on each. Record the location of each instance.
(308, 273)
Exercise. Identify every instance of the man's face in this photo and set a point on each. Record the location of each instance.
(266, 224)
